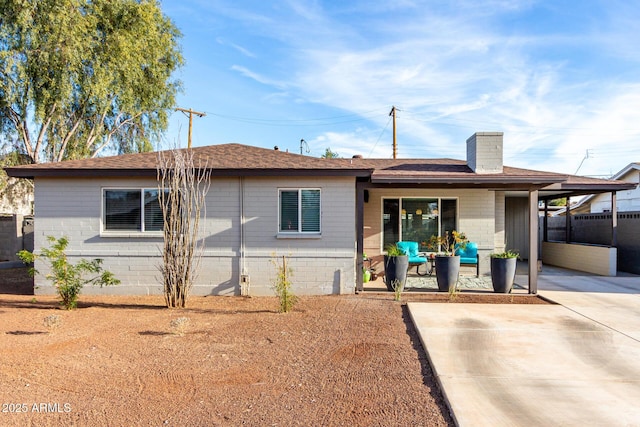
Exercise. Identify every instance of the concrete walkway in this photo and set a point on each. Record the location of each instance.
(576, 363)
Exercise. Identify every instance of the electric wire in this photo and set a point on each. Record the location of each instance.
(380, 136)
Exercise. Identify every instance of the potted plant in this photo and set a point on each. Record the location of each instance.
(503, 271)
(447, 262)
(396, 265)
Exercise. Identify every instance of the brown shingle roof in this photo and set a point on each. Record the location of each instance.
(243, 160)
(227, 159)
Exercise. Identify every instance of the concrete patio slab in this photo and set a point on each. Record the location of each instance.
(530, 365)
(618, 311)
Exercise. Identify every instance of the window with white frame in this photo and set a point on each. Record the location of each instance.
(299, 210)
(132, 209)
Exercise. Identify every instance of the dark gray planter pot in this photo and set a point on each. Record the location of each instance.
(395, 268)
(503, 272)
(447, 271)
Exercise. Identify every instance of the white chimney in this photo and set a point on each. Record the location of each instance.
(484, 152)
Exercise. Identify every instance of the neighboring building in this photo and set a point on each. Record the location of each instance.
(626, 201)
(321, 213)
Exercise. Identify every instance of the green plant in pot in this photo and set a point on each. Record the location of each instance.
(447, 262)
(396, 265)
(503, 271)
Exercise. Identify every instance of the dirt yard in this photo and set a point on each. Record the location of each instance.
(336, 360)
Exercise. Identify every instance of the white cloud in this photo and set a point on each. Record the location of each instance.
(258, 77)
(452, 68)
(242, 50)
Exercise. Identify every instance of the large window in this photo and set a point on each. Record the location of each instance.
(299, 211)
(132, 210)
(417, 219)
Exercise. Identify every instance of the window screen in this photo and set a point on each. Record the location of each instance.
(132, 209)
(122, 210)
(300, 211)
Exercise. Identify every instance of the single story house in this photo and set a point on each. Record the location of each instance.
(321, 213)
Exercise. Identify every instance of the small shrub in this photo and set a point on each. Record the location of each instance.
(66, 277)
(454, 292)
(449, 242)
(282, 285)
(398, 287)
(180, 325)
(393, 250)
(52, 321)
(506, 254)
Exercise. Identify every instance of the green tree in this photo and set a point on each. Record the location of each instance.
(328, 154)
(13, 191)
(558, 202)
(68, 278)
(78, 77)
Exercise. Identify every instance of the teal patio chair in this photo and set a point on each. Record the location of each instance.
(469, 256)
(417, 259)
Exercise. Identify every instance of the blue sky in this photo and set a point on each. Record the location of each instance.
(561, 79)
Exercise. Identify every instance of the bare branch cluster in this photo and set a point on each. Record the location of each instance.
(182, 190)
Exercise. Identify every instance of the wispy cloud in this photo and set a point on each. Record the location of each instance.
(556, 79)
(242, 50)
(258, 77)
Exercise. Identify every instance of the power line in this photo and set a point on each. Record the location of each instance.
(347, 118)
(379, 136)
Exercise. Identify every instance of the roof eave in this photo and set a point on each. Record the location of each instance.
(472, 181)
(145, 173)
(595, 187)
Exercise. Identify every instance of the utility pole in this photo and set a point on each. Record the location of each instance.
(190, 112)
(395, 143)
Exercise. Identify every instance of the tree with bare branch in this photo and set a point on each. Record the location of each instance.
(182, 191)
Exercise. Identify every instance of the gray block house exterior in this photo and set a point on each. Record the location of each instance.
(322, 214)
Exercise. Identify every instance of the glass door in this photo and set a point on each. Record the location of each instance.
(390, 222)
(417, 219)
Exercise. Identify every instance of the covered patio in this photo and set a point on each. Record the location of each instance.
(496, 206)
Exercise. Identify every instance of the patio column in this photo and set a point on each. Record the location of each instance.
(545, 226)
(567, 226)
(359, 235)
(614, 219)
(533, 241)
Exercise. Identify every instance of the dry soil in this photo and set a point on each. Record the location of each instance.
(335, 360)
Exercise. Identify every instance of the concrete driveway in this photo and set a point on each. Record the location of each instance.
(576, 363)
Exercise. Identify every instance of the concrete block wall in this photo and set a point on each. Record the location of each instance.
(322, 264)
(499, 241)
(593, 259)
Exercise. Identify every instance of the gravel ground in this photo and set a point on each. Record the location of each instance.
(127, 360)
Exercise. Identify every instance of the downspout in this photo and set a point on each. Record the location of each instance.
(244, 277)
